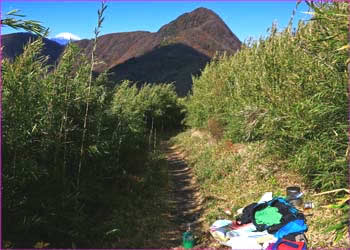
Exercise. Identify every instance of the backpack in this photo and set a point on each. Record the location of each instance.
(284, 244)
(288, 211)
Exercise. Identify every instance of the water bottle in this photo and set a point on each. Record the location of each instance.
(187, 238)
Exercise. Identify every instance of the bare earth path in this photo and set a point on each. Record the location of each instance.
(184, 196)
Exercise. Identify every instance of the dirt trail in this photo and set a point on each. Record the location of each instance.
(184, 196)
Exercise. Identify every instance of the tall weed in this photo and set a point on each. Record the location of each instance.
(45, 114)
(289, 90)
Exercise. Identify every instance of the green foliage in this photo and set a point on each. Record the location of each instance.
(289, 90)
(87, 100)
(231, 179)
(341, 226)
(28, 25)
(23, 103)
(41, 133)
(47, 114)
(290, 93)
(137, 111)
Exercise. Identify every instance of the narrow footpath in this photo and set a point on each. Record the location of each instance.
(184, 196)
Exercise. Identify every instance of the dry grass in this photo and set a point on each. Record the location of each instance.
(235, 175)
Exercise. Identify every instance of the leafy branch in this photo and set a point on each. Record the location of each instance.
(28, 25)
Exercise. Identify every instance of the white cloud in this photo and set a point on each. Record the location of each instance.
(68, 36)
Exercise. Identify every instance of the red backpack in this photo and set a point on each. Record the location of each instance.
(284, 244)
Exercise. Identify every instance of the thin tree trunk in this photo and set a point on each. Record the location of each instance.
(150, 137)
(100, 20)
(64, 166)
(14, 164)
(85, 125)
(155, 140)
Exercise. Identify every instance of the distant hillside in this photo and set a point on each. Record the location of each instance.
(59, 40)
(176, 51)
(169, 63)
(116, 48)
(13, 46)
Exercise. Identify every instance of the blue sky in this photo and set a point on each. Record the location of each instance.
(245, 18)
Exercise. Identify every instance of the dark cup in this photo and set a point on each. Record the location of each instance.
(293, 196)
(293, 192)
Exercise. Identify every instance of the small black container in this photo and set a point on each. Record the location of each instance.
(294, 196)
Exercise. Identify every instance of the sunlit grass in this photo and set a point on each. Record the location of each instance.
(248, 174)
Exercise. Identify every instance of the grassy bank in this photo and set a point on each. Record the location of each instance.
(235, 175)
(287, 92)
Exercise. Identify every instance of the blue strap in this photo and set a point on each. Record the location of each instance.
(291, 244)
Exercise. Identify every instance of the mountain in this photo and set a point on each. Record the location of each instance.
(203, 30)
(116, 48)
(13, 46)
(169, 63)
(61, 41)
(174, 53)
(65, 37)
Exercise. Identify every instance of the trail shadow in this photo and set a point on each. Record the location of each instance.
(159, 220)
(185, 202)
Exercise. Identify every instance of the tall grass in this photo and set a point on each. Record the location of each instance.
(52, 191)
(290, 90)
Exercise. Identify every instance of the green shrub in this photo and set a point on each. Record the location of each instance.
(139, 112)
(288, 90)
(44, 121)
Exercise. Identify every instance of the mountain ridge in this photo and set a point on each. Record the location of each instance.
(196, 29)
(201, 33)
(198, 35)
(13, 46)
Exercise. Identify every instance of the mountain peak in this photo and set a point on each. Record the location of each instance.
(191, 20)
(201, 11)
(178, 51)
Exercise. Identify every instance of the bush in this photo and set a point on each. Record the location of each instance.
(289, 90)
(64, 134)
(137, 112)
